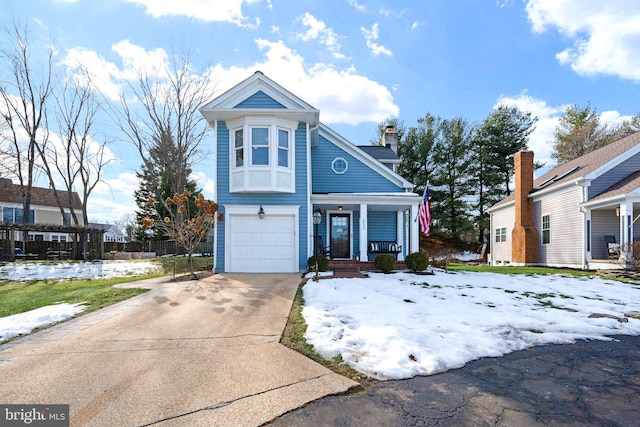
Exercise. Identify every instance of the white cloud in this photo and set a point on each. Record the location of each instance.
(317, 29)
(342, 96)
(541, 139)
(275, 29)
(606, 34)
(415, 25)
(108, 76)
(205, 10)
(371, 36)
(359, 7)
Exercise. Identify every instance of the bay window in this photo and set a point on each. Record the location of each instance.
(262, 154)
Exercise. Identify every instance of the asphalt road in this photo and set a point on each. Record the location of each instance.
(590, 383)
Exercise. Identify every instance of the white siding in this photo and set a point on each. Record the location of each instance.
(503, 218)
(566, 222)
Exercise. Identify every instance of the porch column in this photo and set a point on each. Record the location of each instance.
(400, 233)
(414, 226)
(364, 237)
(626, 227)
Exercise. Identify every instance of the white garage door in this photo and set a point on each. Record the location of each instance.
(262, 245)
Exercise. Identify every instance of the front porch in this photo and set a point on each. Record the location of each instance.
(355, 228)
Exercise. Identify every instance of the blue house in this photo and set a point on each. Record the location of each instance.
(276, 165)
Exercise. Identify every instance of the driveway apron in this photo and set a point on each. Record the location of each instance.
(189, 353)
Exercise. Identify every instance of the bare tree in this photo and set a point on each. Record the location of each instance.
(170, 98)
(24, 94)
(78, 159)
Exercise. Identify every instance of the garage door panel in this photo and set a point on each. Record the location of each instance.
(262, 245)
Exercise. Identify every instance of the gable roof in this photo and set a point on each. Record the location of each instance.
(588, 166)
(381, 153)
(230, 103)
(364, 157)
(11, 193)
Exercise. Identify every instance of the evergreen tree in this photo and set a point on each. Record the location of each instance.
(163, 174)
(415, 151)
(495, 142)
(451, 187)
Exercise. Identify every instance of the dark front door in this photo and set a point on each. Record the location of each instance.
(340, 246)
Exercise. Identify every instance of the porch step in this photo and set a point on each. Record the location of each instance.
(350, 265)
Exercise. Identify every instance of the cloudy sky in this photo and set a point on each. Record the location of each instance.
(358, 61)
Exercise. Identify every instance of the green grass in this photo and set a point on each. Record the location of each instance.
(293, 337)
(18, 297)
(519, 270)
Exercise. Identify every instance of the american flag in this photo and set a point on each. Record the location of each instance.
(424, 213)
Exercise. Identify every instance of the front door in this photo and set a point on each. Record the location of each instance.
(340, 241)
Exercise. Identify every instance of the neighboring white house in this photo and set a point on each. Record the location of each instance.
(578, 214)
(111, 232)
(44, 210)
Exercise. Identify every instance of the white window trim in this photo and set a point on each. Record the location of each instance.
(542, 229)
(346, 165)
(274, 124)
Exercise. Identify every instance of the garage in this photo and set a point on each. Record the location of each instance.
(266, 245)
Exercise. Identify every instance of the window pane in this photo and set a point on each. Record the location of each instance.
(260, 146)
(260, 137)
(239, 157)
(7, 214)
(283, 138)
(19, 217)
(238, 138)
(260, 156)
(283, 158)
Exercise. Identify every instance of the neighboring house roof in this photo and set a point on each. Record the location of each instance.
(589, 166)
(11, 193)
(381, 153)
(107, 227)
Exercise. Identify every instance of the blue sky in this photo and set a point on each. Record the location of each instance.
(358, 61)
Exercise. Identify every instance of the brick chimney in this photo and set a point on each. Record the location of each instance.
(390, 138)
(524, 238)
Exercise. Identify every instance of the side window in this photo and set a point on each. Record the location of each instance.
(283, 148)
(501, 234)
(239, 148)
(546, 229)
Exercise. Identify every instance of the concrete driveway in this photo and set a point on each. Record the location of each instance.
(190, 353)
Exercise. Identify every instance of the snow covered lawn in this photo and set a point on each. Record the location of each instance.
(402, 325)
(75, 270)
(23, 323)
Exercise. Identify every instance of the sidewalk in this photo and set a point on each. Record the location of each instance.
(189, 353)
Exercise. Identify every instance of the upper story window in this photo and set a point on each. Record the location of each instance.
(283, 148)
(262, 154)
(259, 146)
(238, 148)
(339, 165)
(16, 215)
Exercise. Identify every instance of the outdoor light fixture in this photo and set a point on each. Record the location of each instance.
(339, 207)
(317, 218)
(261, 212)
(618, 211)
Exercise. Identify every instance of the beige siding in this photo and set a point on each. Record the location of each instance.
(566, 221)
(604, 222)
(503, 218)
